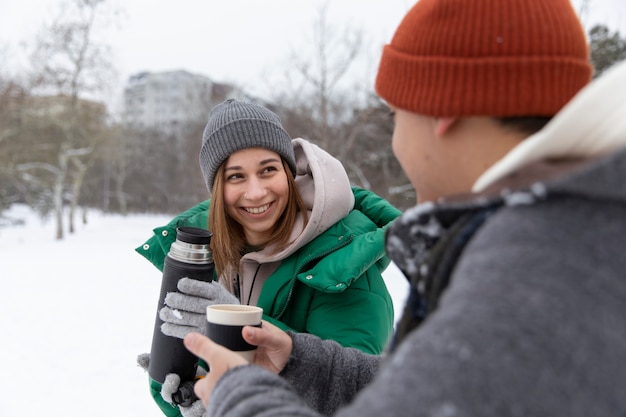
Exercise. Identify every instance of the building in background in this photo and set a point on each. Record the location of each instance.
(170, 101)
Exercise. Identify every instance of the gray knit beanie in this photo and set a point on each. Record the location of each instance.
(234, 125)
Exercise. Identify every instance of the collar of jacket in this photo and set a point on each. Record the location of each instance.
(411, 237)
(321, 263)
(427, 240)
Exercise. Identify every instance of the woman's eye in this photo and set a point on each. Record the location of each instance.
(234, 177)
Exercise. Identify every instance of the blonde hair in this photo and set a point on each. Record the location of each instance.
(228, 242)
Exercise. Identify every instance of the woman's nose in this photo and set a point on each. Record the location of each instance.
(254, 190)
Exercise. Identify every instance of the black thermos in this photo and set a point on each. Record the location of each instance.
(189, 256)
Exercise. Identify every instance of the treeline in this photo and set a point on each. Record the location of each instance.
(64, 154)
(51, 148)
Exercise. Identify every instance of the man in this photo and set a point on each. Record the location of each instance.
(517, 304)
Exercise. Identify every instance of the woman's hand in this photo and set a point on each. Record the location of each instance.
(274, 347)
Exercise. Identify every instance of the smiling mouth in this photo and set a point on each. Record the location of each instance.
(257, 210)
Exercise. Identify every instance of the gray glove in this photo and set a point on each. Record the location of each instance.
(185, 310)
(143, 360)
(170, 386)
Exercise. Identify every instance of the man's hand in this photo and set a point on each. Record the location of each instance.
(217, 357)
(273, 350)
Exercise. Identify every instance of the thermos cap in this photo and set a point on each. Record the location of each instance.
(193, 235)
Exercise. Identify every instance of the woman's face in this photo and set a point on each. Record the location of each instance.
(255, 191)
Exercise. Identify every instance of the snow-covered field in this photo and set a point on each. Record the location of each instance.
(75, 313)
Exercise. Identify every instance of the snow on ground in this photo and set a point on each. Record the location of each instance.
(75, 313)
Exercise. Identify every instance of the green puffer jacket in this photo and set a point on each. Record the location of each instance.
(331, 287)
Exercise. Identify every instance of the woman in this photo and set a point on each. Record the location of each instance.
(289, 235)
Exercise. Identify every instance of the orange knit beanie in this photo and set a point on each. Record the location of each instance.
(485, 58)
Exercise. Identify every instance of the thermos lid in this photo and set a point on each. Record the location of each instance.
(193, 235)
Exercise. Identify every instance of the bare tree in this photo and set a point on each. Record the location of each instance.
(320, 103)
(12, 99)
(70, 65)
(333, 54)
(583, 12)
(313, 79)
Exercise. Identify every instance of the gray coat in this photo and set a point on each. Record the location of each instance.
(531, 323)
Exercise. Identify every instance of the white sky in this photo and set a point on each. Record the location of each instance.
(237, 41)
(76, 313)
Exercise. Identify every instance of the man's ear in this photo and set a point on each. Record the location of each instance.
(443, 124)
